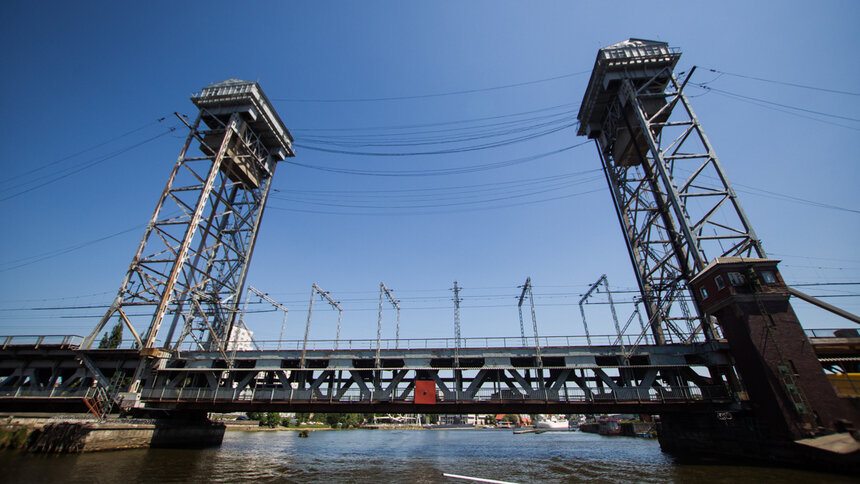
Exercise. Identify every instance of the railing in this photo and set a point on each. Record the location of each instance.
(238, 88)
(54, 392)
(831, 332)
(633, 51)
(565, 395)
(507, 342)
(63, 340)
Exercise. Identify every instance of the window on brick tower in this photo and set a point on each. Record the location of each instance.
(736, 278)
(768, 277)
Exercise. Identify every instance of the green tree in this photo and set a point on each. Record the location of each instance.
(273, 419)
(115, 338)
(343, 420)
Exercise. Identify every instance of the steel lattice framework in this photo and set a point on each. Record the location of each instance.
(677, 209)
(191, 264)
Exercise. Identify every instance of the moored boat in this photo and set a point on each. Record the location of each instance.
(552, 422)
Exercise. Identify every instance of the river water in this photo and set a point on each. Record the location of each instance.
(392, 456)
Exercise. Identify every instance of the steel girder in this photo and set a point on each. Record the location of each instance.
(677, 209)
(48, 377)
(482, 379)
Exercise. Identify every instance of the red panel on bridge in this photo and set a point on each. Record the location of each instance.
(425, 392)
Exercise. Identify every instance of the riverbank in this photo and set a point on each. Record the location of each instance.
(255, 427)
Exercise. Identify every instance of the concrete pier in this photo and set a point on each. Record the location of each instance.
(72, 435)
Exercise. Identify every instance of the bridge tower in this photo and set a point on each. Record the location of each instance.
(676, 206)
(190, 267)
(689, 239)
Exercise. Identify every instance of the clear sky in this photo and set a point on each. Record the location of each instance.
(85, 160)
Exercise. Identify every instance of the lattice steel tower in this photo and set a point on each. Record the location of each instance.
(677, 209)
(191, 264)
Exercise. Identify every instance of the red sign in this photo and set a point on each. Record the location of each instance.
(425, 392)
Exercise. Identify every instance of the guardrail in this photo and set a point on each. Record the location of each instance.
(831, 333)
(64, 340)
(506, 342)
(23, 392)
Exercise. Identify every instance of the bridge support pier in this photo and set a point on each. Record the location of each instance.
(790, 413)
(743, 438)
(183, 430)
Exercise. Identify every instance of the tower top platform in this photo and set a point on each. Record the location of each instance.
(224, 98)
(635, 59)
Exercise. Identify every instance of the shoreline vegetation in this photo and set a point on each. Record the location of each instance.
(272, 421)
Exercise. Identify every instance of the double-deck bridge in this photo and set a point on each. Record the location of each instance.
(721, 355)
(494, 375)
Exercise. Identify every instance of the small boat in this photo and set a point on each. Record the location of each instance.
(551, 422)
(530, 431)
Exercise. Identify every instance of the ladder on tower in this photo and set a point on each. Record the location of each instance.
(784, 368)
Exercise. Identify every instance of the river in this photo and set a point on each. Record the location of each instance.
(392, 456)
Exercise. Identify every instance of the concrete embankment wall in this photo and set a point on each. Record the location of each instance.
(70, 436)
(629, 429)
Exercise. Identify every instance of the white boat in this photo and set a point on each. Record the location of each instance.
(551, 422)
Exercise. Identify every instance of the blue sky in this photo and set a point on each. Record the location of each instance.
(78, 75)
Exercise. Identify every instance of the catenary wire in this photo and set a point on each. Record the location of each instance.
(77, 153)
(88, 165)
(784, 83)
(431, 95)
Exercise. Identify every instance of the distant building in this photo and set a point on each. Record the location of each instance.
(451, 419)
(242, 339)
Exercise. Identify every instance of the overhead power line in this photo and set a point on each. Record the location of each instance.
(462, 149)
(74, 170)
(792, 110)
(438, 212)
(443, 136)
(26, 261)
(440, 202)
(440, 191)
(439, 171)
(758, 191)
(805, 110)
(781, 196)
(9, 179)
(432, 95)
(437, 123)
(785, 83)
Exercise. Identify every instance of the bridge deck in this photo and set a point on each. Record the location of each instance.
(56, 375)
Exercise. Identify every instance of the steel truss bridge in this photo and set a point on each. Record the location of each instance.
(721, 353)
(54, 373)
